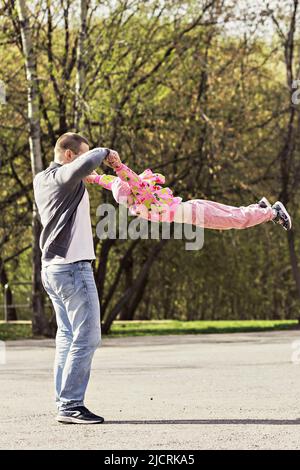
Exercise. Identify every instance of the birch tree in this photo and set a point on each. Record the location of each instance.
(39, 321)
(80, 72)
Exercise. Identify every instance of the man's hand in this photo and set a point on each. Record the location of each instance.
(91, 178)
(112, 160)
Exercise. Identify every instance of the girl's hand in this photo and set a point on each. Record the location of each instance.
(122, 192)
(112, 160)
(91, 178)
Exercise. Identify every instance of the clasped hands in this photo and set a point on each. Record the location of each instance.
(112, 160)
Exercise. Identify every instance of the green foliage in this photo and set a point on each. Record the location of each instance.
(206, 108)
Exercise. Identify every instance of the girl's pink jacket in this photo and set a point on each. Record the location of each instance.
(142, 194)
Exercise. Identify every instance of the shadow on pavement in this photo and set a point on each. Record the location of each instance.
(276, 422)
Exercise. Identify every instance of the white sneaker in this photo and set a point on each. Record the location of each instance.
(283, 217)
(263, 203)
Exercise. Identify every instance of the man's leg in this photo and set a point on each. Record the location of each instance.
(213, 215)
(77, 288)
(64, 335)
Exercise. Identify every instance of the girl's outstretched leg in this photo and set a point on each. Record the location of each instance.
(213, 215)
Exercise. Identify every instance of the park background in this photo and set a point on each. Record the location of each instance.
(204, 92)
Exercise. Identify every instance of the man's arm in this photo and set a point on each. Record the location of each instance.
(72, 173)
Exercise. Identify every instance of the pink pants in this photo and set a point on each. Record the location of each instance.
(213, 215)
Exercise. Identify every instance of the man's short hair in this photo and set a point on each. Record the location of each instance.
(69, 141)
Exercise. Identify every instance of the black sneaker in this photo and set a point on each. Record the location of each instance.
(283, 218)
(78, 415)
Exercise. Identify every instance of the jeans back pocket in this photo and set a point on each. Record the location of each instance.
(62, 282)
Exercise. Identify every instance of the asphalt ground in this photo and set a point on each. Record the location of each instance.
(220, 391)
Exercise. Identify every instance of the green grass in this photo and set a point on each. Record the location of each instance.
(13, 331)
(9, 331)
(176, 327)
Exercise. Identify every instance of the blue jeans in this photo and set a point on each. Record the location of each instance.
(72, 290)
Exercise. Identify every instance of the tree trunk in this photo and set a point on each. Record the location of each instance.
(129, 312)
(100, 273)
(80, 75)
(117, 278)
(12, 313)
(138, 283)
(294, 260)
(128, 272)
(39, 321)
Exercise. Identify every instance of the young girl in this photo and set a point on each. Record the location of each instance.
(145, 197)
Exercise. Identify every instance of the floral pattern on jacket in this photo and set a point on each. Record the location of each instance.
(143, 194)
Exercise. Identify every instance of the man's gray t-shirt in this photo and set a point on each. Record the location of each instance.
(59, 192)
(81, 245)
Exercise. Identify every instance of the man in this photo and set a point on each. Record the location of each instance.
(67, 253)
